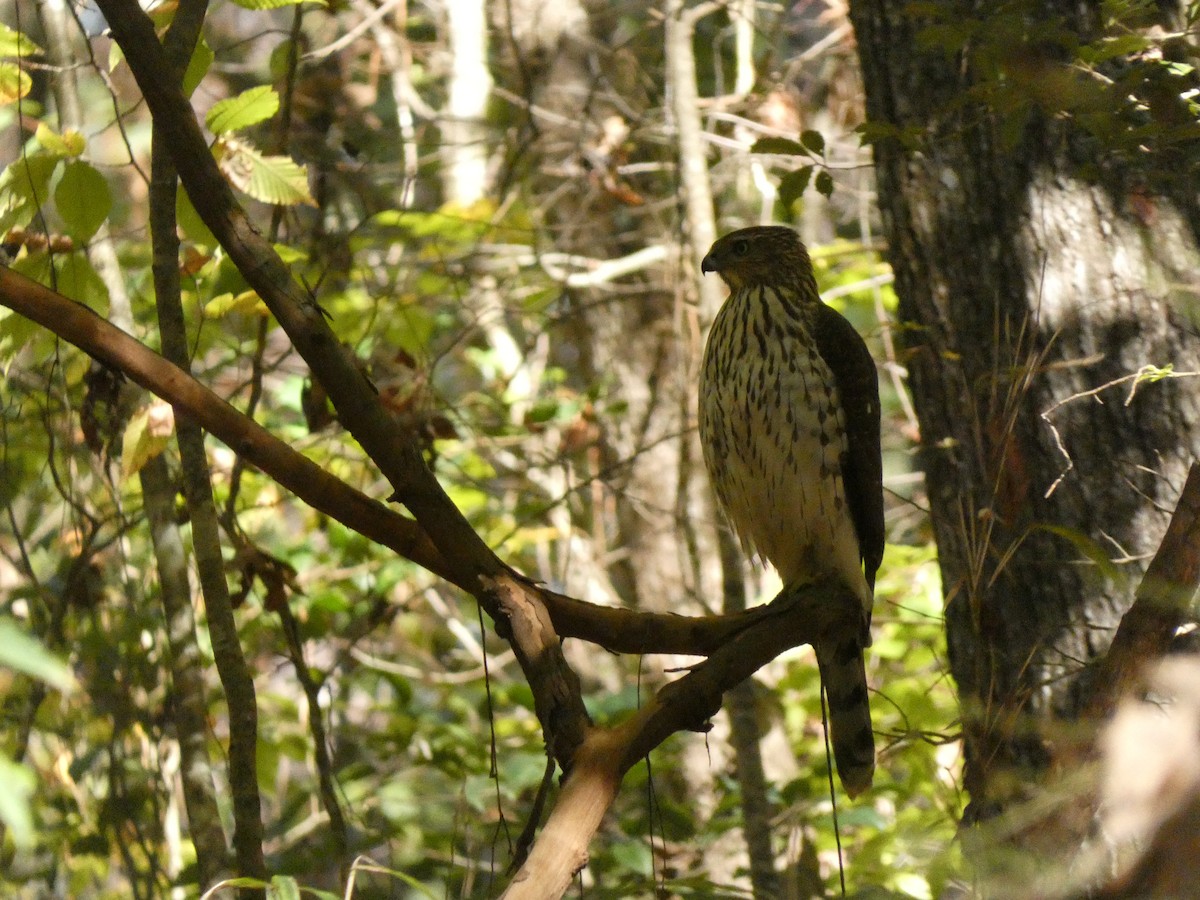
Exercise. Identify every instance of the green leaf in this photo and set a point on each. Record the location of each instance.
(19, 783)
(362, 864)
(873, 132)
(14, 43)
(16, 333)
(814, 141)
(202, 58)
(14, 83)
(26, 181)
(248, 108)
(793, 185)
(271, 179)
(78, 280)
(83, 200)
(23, 653)
(242, 881)
(1086, 546)
(779, 146)
(190, 222)
(824, 183)
(1112, 47)
(634, 856)
(284, 887)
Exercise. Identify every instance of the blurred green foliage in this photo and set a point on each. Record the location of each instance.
(436, 766)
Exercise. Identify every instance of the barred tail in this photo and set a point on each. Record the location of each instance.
(844, 675)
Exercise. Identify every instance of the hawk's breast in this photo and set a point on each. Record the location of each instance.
(774, 437)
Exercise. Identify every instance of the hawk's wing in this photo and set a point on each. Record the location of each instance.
(847, 356)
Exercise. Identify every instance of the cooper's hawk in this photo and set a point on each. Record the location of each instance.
(789, 423)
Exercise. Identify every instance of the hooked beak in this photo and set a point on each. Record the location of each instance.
(708, 264)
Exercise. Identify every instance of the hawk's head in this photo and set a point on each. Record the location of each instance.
(762, 255)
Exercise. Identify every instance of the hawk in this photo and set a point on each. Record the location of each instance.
(789, 425)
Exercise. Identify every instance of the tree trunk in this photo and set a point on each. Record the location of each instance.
(1038, 272)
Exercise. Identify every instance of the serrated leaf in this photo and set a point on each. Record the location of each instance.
(202, 58)
(248, 108)
(778, 146)
(814, 141)
(14, 83)
(14, 43)
(793, 185)
(824, 183)
(271, 179)
(83, 200)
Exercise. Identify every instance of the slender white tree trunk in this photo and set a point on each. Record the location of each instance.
(465, 148)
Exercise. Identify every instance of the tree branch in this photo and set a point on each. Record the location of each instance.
(595, 759)
(683, 705)
(391, 448)
(615, 629)
(1162, 604)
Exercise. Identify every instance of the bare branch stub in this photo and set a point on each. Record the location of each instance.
(557, 694)
(1162, 604)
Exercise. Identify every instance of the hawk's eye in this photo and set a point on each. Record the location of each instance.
(740, 247)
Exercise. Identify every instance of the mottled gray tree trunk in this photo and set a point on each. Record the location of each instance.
(1038, 271)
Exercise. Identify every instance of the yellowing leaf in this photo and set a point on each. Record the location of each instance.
(142, 442)
(271, 179)
(248, 303)
(70, 143)
(14, 43)
(274, 4)
(14, 83)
